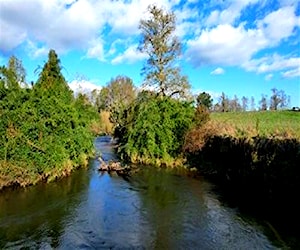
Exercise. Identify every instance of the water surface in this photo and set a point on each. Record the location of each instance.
(153, 209)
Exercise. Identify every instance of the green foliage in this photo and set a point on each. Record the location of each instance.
(44, 129)
(163, 48)
(204, 99)
(51, 81)
(155, 130)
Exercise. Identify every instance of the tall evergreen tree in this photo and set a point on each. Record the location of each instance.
(51, 79)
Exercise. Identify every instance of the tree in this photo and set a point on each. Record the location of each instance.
(234, 104)
(275, 99)
(155, 132)
(44, 131)
(278, 99)
(116, 97)
(13, 76)
(204, 99)
(163, 49)
(51, 79)
(252, 103)
(263, 103)
(244, 103)
(224, 103)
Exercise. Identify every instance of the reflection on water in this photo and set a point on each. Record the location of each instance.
(153, 209)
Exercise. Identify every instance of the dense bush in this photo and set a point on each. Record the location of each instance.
(44, 130)
(155, 129)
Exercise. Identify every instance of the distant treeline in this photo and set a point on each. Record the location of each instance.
(278, 100)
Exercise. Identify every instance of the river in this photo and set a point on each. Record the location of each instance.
(153, 209)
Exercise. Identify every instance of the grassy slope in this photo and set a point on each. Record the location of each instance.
(266, 123)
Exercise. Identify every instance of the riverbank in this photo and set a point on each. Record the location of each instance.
(263, 147)
(252, 163)
(18, 174)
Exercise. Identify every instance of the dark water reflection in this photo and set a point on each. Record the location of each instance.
(153, 209)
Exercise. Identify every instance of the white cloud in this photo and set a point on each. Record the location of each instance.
(268, 77)
(225, 45)
(292, 73)
(34, 51)
(130, 56)
(279, 24)
(48, 22)
(213, 18)
(83, 86)
(68, 24)
(229, 14)
(237, 45)
(96, 50)
(186, 23)
(218, 71)
(272, 63)
(12, 37)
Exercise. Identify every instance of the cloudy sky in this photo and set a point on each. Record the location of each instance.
(239, 47)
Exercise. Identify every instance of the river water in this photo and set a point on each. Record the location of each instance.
(152, 209)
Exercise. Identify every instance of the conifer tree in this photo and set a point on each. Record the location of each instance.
(52, 80)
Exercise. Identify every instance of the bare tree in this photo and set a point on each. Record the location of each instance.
(278, 99)
(252, 100)
(244, 103)
(224, 103)
(263, 103)
(234, 104)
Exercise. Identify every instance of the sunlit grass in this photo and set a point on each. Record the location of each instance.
(284, 124)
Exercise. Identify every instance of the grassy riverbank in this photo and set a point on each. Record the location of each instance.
(22, 174)
(283, 124)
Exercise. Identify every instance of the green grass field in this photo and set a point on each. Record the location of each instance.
(284, 124)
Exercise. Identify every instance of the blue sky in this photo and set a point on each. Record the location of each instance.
(239, 47)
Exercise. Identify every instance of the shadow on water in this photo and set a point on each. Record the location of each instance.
(152, 209)
(33, 217)
(259, 175)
